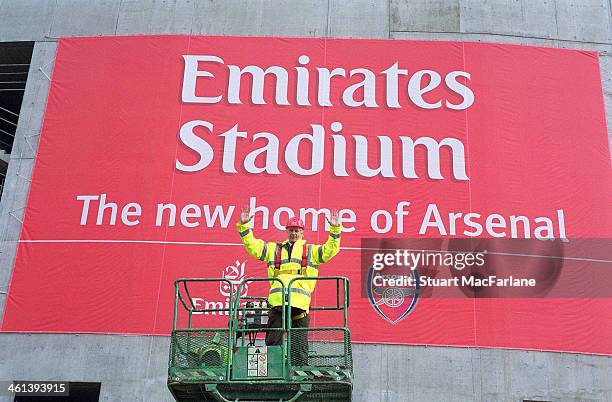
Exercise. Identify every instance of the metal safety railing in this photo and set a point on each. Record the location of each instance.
(212, 362)
(200, 353)
(332, 348)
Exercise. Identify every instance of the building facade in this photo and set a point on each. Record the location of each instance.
(133, 368)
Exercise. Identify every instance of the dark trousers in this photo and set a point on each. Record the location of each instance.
(299, 339)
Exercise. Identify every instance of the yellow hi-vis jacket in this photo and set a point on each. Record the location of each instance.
(291, 266)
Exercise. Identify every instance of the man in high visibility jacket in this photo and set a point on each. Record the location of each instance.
(285, 261)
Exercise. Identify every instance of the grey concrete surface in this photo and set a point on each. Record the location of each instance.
(586, 21)
(572, 20)
(133, 368)
(130, 368)
(425, 15)
(305, 18)
(137, 17)
(25, 20)
(523, 18)
(364, 19)
(601, 48)
(79, 18)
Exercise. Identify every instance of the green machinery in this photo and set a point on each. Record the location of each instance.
(232, 363)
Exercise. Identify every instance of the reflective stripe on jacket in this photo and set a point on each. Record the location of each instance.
(290, 267)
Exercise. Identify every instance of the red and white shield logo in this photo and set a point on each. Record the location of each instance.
(393, 303)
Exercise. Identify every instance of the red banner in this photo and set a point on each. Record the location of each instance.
(151, 145)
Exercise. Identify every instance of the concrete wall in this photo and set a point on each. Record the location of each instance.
(133, 368)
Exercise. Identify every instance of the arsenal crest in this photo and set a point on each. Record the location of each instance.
(393, 295)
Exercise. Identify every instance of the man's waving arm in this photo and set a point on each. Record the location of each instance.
(255, 247)
(327, 251)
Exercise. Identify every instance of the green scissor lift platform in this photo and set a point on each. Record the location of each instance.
(232, 363)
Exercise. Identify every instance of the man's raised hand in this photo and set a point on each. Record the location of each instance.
(335, 218)
(245, 215)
